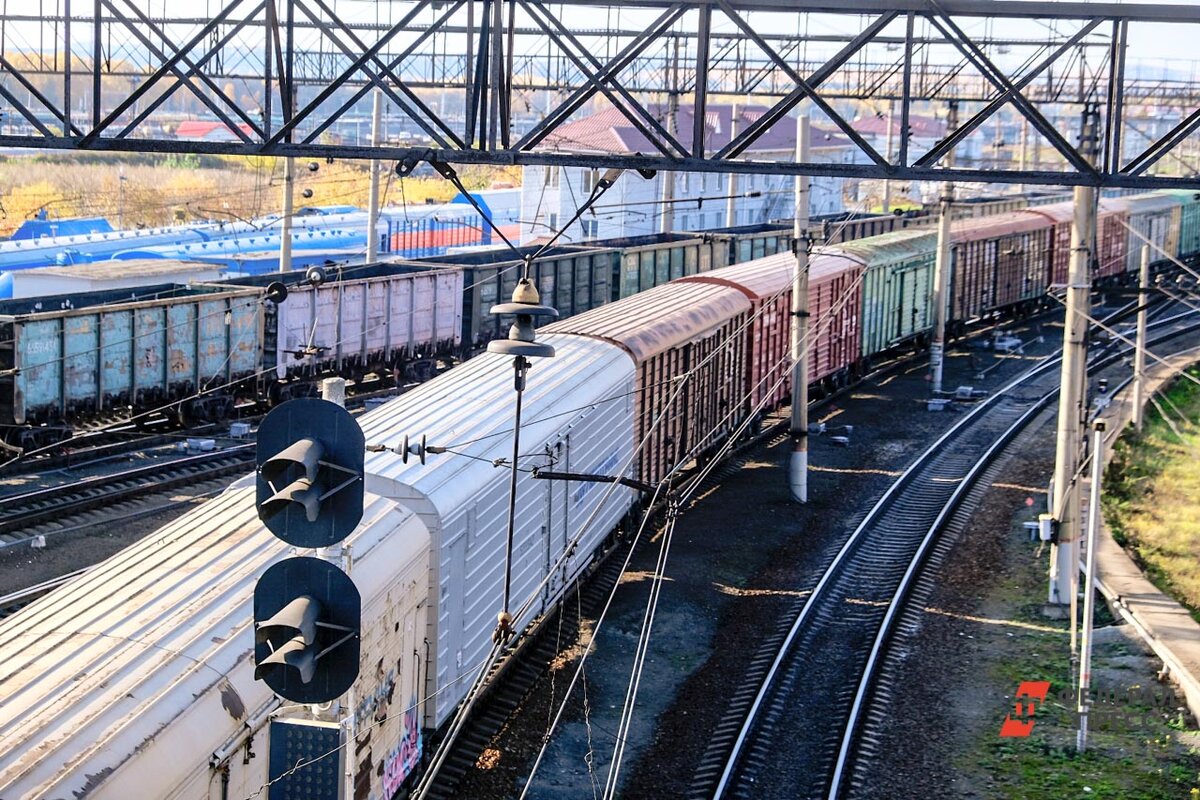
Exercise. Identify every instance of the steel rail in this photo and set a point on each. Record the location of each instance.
(867, 682)
(873, 517)
(19, 511)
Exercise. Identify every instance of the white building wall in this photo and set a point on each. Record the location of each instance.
(551, 195)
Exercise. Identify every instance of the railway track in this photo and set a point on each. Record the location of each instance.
(19, 512)
(802, 722)
(15, 601)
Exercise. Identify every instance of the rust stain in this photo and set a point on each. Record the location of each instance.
(231, 701)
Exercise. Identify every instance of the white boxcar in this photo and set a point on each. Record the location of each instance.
(362, 319)
(577, 416)
(136, 680)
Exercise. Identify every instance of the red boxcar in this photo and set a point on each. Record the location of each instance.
(1111, 239)
(835, 297)
(999, 261)
(670, 331)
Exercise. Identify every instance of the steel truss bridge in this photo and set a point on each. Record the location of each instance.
(278, 76)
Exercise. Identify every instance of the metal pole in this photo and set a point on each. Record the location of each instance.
(732, 185)
(1089, 587)
(285, 227)
(1139, 350)
(376, 165)
(942, 266)
(798, 471)
(887, 184)
(1064, 554)
(334, 391)
(504, 619)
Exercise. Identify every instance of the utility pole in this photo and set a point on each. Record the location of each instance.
(887, 184)
(373, 195)
(798, 468)
(1064, 553)
(667, 217)
(1139, 349)
(732, 186)
(285, 227)
(942, 266)
(1089, 587)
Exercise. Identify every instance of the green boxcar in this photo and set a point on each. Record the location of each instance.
(896, 286)
(1189, 224)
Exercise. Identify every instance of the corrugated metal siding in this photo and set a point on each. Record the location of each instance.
(107, 693)
(671, 330)
(834, 288)
(577, 416)
(896, 286)
(366, 324)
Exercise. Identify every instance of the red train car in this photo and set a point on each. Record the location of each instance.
(679, 329)
(835, 296)
(1110, 239)
(999, 261)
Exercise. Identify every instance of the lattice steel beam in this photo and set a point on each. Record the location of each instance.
(277, 77)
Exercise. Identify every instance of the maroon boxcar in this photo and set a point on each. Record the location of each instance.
(999, 261)
(1111, 238)
(835, 296)
(672, 331)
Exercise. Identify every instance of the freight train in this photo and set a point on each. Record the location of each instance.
(197, 352)
(136, 679)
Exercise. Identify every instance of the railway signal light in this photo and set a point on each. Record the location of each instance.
(310, 456)
(307, 618)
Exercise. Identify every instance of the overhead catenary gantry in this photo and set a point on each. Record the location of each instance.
(495, 81)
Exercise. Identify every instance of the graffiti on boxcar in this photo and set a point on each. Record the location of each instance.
(403, 759)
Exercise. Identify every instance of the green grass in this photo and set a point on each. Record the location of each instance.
(1152, 495)
(1138, 749)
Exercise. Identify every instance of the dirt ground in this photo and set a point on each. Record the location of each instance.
(983, 633)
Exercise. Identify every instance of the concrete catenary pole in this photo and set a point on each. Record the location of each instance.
(666, 218)
(285, 226)
(887, 184)
(376, 166)
(732, 181)
(1139, 350)
(1064, 554)
(798, 468)
(1089, 587)
(942, 267)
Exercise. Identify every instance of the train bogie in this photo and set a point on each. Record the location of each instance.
(576, 419)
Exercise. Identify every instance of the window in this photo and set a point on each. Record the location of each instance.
(554, 220)
(590, 177)
(552, 177)
(591, 228)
